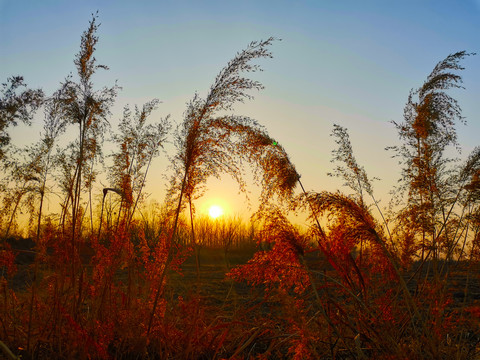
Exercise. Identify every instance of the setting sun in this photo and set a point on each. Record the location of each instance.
(215, 211)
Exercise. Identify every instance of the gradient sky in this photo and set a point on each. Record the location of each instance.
(347, 62)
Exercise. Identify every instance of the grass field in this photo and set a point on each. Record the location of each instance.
(211, 304)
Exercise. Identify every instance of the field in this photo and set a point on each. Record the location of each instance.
(249, 319)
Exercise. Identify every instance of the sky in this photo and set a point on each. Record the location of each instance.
(347, 62)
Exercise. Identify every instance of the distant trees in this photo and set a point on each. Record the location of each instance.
(27, 170)
(16, 105)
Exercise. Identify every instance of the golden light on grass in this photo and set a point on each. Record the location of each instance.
(215, 211)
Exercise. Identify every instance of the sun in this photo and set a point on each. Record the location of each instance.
(215, 211)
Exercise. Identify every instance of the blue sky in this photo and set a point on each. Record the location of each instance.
(346, 62)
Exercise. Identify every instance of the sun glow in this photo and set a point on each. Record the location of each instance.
(215, 211)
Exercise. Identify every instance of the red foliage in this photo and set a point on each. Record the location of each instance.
(281, 266)
(7, 259)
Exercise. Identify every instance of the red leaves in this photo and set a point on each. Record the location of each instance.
(279, 267)
(82, 340)
(7, 259)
